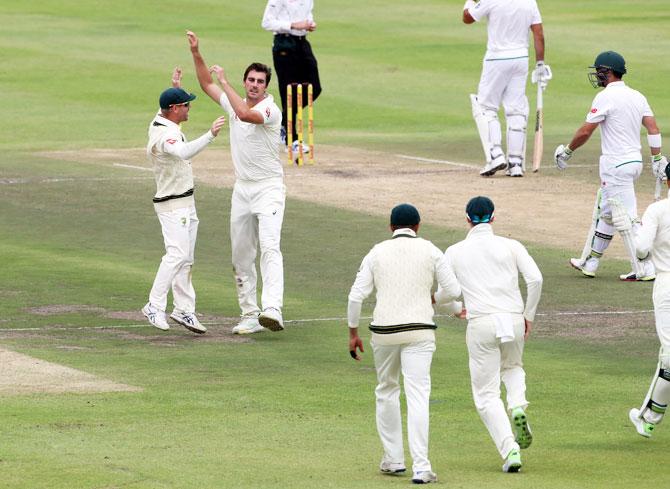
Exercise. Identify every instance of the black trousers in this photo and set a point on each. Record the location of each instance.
(294, 63)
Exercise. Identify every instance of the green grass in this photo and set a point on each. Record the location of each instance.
(287, 410)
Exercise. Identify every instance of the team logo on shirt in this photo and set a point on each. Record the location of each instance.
(267, 112)
(171, 141)
(594, 110)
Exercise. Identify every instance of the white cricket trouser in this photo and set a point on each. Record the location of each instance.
(256, 216)
(413, 360)
(616, 182)
(491, 361)
(180, 229)
(661, 296)
(503, 82)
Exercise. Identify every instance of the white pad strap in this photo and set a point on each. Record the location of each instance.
(618, 210)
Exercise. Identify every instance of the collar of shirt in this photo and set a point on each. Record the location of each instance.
(407, 232)
(166, 122)
(480, 229)
(619, 83)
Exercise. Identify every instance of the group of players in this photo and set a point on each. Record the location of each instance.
(483, 269)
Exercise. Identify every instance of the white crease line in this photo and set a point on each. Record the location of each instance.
(431, 160)
(134, 167)
(315, 320)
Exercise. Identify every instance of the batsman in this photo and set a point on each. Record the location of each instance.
(653, 239)
(503, 79)
(620, 112)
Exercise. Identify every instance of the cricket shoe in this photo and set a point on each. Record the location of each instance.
(271, 319)
(512, 462)
(392, 467)
(295, 148)
(155, 316)
(496, 164)
(248, 325)
(189, 321)
(648, 273)
(515, 170)
(424, 477)
(643, 427)
(588, 267)
(521, 428)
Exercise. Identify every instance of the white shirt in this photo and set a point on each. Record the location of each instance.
(280, 14)
(255, 147)
(654, 235)
(170, 154)
(403, 270)
(487, 267)
(619, 111)
(509, 22)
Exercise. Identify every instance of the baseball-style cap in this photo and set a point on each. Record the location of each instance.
(174, 96)
(480, 210)
(405, 215)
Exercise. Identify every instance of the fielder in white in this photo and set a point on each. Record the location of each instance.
(170, 155)
(487, 268)
(503, 79)
(653, 237)
(259, 195)
(403, 269)
(620, 112)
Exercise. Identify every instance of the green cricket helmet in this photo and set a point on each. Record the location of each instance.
(606, 61)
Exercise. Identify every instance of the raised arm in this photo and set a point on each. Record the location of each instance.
(242, 110)
(204, 77)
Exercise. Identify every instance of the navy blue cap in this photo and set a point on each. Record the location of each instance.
(480, 210)
(174, 96)
(405, 215)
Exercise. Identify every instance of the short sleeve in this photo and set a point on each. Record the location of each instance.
(225, 103)
(271, 114)
(599, 110)
(480, 10)
(536, 17)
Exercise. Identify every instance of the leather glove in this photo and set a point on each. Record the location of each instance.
(561, 156)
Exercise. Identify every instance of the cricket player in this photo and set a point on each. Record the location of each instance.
(259, 194)
(620, 112)
(653, 237)
(503, 79)
(174, 203)
(290, 21)
(487, 268)
(403, 270)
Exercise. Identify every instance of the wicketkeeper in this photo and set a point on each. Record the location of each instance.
(620, 112)
(487, 268)
(653, 237)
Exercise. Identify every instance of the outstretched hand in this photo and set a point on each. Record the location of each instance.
(192, 40)
(219, 72)
(176, 77)
(217, 125)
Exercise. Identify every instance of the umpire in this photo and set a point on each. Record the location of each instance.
(294, 61)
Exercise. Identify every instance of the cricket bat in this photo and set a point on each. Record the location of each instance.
(538, 146)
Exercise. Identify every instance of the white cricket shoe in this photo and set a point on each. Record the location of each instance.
(588, 267)
(512, 462)
(271, 319)
(496, 164)
(643, 427)
(392, 467)
(515, 170)
(424, 477)
(648, 274)
(189, 321)
(248, 325)
(155, 316)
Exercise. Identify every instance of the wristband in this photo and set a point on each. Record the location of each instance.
(654, 140)
(567, 150)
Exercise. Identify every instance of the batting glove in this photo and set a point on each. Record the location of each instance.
(658, 164)
(621, 222)
(561, 156)
(541, 74)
